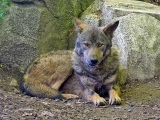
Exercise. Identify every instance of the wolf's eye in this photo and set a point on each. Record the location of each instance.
(86, 44)
(99, 44)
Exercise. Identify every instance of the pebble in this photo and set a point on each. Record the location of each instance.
(45, 103)
(10, 107)
(14, 82)
(26, 114)
(47, 113)
(158, 106)
(129, 110)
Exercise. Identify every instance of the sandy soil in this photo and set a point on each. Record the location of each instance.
(141, 101)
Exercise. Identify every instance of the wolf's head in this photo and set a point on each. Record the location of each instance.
(93, 44)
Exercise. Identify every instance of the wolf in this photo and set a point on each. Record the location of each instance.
(90, 71)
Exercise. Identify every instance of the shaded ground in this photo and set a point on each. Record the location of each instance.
(140, 102)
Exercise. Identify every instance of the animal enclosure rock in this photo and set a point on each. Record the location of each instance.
(138, 39)
(116, 8)
(18, 36)
(34, 27)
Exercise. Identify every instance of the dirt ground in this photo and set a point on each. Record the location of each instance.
(141, 101)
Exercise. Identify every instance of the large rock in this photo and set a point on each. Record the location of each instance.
(107, 10)
(137, 36)
(34, 27)
(138, 39)
(59, 23)
(18, 36)
(115, 8)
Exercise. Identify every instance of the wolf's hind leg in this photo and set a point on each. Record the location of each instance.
(57, 81)
(57, 84)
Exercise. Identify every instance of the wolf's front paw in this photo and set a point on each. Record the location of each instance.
(114, 98)
(98, 101)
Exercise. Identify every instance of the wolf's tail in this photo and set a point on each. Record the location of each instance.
(37, 89)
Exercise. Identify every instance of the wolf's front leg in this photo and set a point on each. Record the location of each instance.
(113, 89)
(88, 92)
(114, 97)
(92, 96)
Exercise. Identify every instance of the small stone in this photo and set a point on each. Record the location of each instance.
(129, 110)
(44, 113)
(27, 114)
(45, 103)
(10, 107)
(14, 83)
(144, 112)
(158, 106)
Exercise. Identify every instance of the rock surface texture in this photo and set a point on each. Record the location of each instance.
(34, 27)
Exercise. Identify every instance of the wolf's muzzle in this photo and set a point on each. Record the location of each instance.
(93, 62)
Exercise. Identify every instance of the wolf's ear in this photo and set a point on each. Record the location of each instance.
(79, 25)
(108, 30)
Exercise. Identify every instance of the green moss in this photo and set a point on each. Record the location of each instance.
(122, 76)
(56, 23)
(142, 91)
(157, 65)
(52, 34)
(144, 0)
(4, 6)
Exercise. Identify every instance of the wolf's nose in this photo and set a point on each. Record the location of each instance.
(93, 61)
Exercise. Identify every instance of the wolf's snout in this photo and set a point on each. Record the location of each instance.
(93, 61)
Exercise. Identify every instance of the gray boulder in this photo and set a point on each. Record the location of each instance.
(138, 39)
(18, 36)
(107, 10)
(34, 27)
(115, 8)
